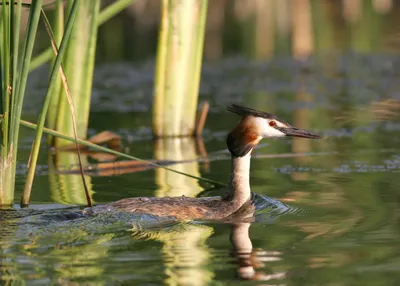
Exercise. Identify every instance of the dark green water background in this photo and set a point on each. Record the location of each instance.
(342, 226)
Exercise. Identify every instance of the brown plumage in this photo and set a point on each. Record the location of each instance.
(182, 208)
(243, 138)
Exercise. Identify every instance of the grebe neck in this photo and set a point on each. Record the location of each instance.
(239, 182)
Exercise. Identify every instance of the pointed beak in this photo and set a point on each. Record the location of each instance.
(296, 132)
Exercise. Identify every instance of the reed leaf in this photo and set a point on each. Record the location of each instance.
(6, 53)
(1, 78)
(52, 82)
(79, 71)
(105, 15)
(70, 101)
(13, 89)
(114, 152)
(112, 10)
(5, 192)
(33, 21)
(16, 30)
(58, 24)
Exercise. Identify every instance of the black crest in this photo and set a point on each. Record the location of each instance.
(247, 111)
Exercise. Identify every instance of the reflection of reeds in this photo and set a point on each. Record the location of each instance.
(378, 110)
(67, 188)
(301, 119)
(70, 261)
(385, 109)
(184, 252)
(9, 266)
(178, 150)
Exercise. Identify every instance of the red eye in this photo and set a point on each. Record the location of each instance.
(272, 123)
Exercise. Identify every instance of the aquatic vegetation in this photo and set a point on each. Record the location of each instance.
(178, 68)
(15, 72)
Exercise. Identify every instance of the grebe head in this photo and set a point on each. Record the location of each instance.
(256, 125)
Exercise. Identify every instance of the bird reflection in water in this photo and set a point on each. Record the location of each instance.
(251, 261)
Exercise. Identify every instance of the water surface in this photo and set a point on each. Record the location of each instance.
(341, 223)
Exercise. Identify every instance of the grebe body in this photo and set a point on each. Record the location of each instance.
(253, 126)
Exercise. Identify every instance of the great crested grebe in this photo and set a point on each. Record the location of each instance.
(253, 126)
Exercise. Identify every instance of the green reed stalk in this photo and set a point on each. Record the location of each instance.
(79, 65)
(30, 36)
(83, 107)
(7, 72)
(33, 21)
(58, 24)
(14, 76)
(79, 158)
(1, 84)
(196, 60)
(16, 30)
(52, 84)
(78, 68)
(105, 15)
(160, 75)
(6, 193)
(179, 55)
(113, 10)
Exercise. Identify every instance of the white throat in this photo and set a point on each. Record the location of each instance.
(239, 182)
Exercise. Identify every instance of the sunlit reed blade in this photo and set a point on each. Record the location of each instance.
(78, 67)
(39, 132)
(17, 25)
(105, 15)
(7, 71)
(112, 10)
(14, 90)
(6, 190)
(57, 26)
(71, 106)
(117, 153)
